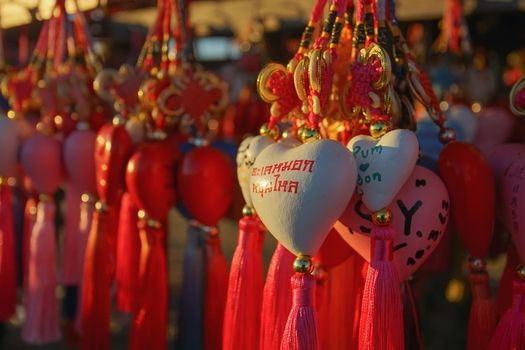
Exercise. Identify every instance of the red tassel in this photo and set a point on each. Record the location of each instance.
(381, 325)
(243, 302)
(42, 324)
(128, 255)
(150, 323)
(96, 284)
(277, 299)
(482, 318)
(323, 289)
(70, 272)
(7, 255)
(344, 306)
(300, 332)
(510, 332)
(504, 296)
(215, 294)
(29, 222)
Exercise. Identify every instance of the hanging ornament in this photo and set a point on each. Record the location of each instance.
(420, 215)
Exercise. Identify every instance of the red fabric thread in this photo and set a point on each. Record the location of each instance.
(381, 325)
(519, 101)
(215, 295)
(7, 255)
(504, 296)
(96, 284)
(510, 332)
(128, 256)
(277, 298)
(244, 297)
(42, 324)
(149, 328)
(300, 332)
(482, 318)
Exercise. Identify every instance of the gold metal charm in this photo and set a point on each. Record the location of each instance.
(262, 81)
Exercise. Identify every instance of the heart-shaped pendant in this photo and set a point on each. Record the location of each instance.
(513, 197)
(300, 190)
(420, 212)
(248, 151)
(384, 165)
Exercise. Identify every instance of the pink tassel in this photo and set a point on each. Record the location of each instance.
(300, 332)
(29, 222)
(510, 332)
(149, 329)
(244, 297)
(277, 299)
(79, 212)
(215, 293)
(42, 324)
(482, 318)
(381, 326)
(7, 255)
(128, 255)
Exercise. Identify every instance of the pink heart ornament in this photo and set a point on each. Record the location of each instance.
(421, 211)
(513, 196)
(500, 159)
(384, 165)
(300, 190)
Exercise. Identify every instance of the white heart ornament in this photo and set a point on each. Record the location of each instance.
(299, 191)
(384, 165)
(248, 151)
(420, 210)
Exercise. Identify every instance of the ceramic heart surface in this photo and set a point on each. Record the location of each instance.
(421, 211)
(384, 165)
(513, 196)
(500, 159)
(248, 151)
(299, 191)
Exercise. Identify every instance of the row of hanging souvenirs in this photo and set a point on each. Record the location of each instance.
(333, 176)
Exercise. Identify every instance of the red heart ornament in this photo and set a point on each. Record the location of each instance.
(471, 186)
(112, 150)
(513, 199)
(420, 211)
(42, 161)
(334, 250)
(150, 178)
(79, 159)
(205, 180)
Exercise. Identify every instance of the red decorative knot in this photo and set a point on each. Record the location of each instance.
(283, 87)
(519, 101)
(363, 76)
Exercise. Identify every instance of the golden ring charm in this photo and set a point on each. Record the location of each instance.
(262, 81)
(375, 51)
(520, 85)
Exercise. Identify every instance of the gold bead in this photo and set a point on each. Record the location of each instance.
(379, 128)
(248, 210)
(382, 217)
(310, 135)
(476, 264)
(303, 264)
(287, 134)
(266, 131)
(520, 272)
